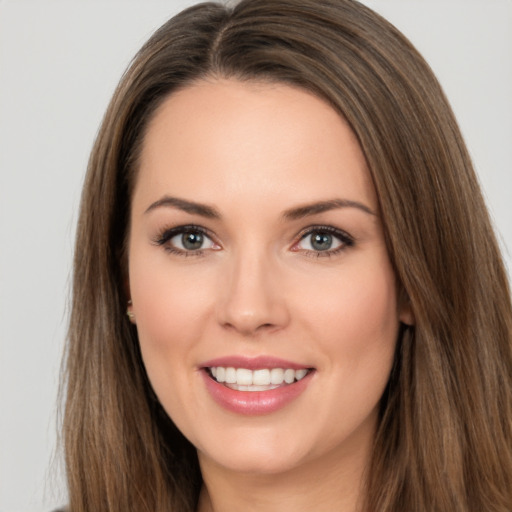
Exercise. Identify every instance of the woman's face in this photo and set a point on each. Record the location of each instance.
(257, 259)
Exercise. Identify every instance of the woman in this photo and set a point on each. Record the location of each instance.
(287, 290)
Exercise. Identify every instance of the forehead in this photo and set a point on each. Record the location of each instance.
(222, 139)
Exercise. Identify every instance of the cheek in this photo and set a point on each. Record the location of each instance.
(355, 325)
(166, 299)
(355, 313)
(170, 309)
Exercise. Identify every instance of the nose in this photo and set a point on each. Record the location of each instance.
(252, 298)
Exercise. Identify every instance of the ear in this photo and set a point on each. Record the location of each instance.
(130, 313)
(129, 304)
(405, 312)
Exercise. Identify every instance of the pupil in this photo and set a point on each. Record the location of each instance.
(192, 241)
(321, 241)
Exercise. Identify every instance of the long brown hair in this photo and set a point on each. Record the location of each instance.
(444, 440)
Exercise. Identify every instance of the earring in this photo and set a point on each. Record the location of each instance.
(130, 313)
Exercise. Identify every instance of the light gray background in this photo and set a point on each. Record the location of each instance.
(59, 63)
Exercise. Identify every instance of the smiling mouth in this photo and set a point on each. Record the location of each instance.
(265, 379)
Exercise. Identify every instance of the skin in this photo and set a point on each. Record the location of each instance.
(253, 151)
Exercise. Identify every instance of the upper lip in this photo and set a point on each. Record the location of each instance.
(253, 363)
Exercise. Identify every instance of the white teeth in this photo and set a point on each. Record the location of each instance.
(276, 376)
(243, 377)
(263, 379)
(289, 376)
(220, 374)
(230, 376)
(236, 387)
(300, 374)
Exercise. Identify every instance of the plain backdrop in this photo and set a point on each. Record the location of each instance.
(59, 64)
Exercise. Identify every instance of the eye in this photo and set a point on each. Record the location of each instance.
(191, 241)
(186, 240)
(327, 240)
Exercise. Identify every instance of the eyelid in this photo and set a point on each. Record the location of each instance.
(345, 238)
(166, 234)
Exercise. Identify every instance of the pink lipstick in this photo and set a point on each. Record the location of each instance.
(254, 386)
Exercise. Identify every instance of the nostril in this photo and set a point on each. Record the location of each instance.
(250, 328)
(249, 310)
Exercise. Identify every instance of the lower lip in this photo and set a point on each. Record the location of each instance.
(252, 403)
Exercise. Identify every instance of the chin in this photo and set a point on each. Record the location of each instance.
(259, 452)
(255, 462)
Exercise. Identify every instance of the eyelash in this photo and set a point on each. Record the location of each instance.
(346, 240)
(168, 234)
(165, 235)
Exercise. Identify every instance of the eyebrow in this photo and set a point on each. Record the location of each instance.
(187, 206)
(292, 214)
(324, 206)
